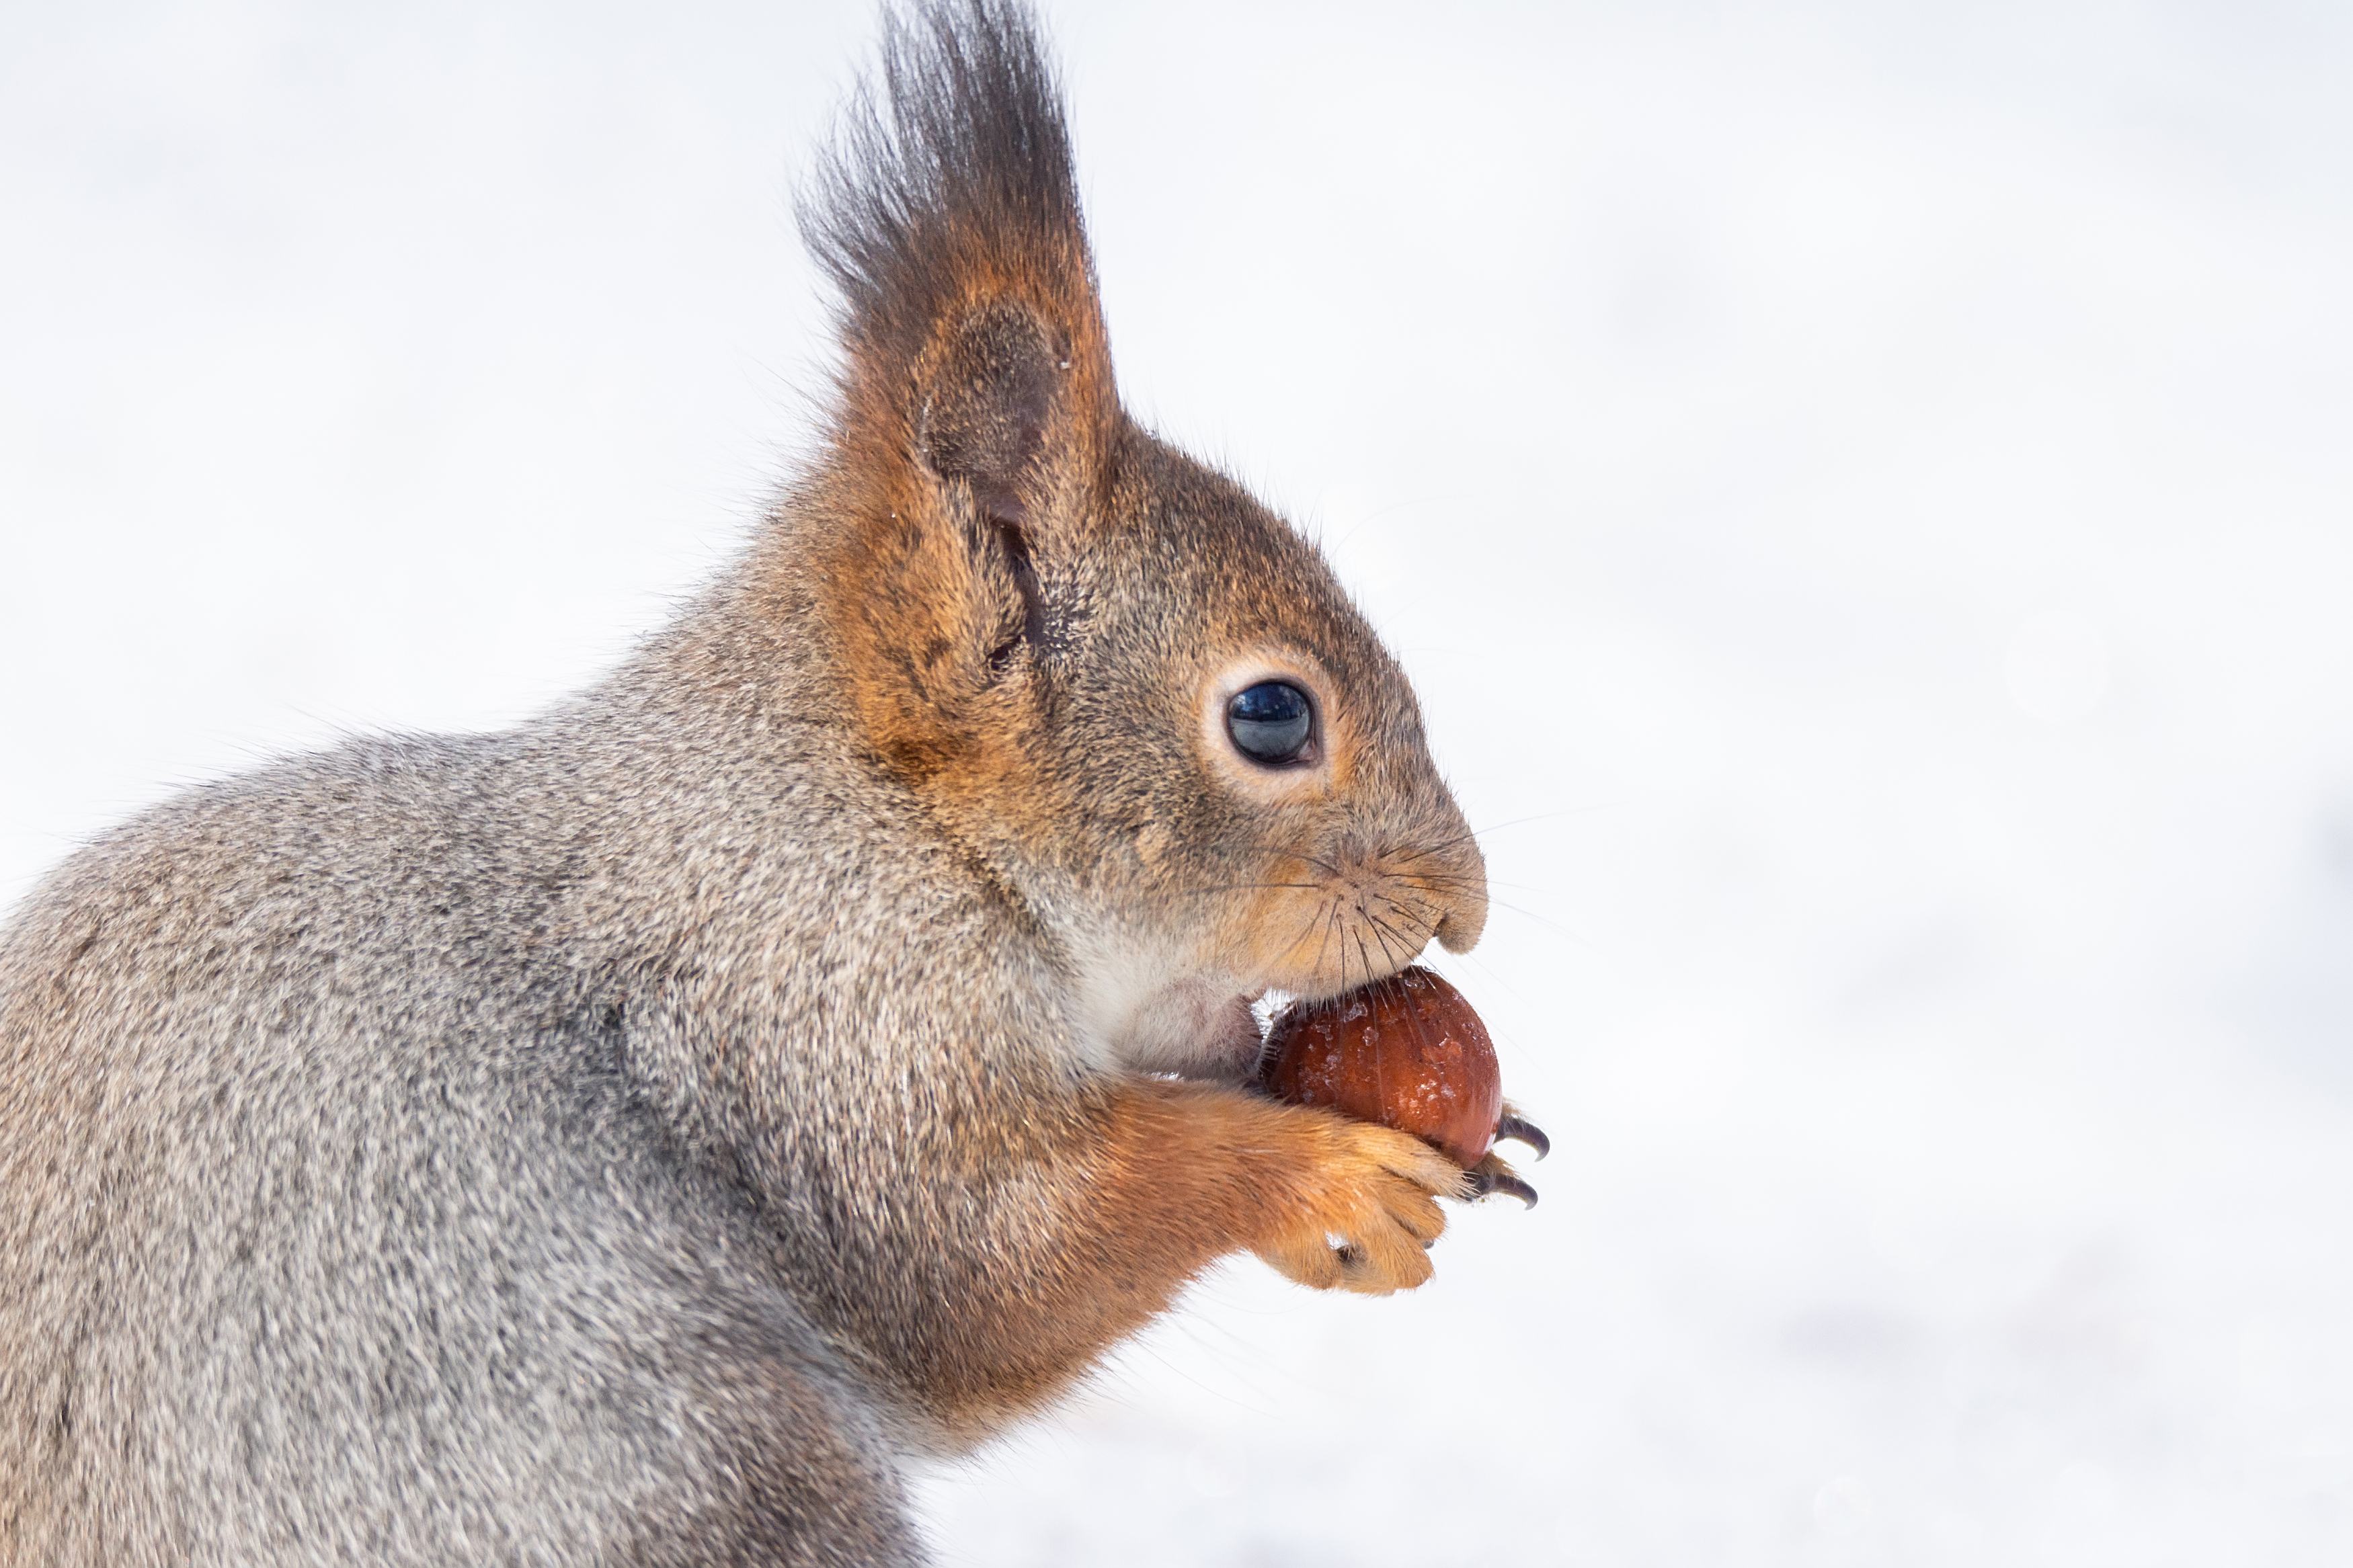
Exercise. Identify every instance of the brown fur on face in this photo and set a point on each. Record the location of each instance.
(1028, 591)
(623, 1138)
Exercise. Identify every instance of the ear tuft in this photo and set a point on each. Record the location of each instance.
(978, 419)
(951, 188)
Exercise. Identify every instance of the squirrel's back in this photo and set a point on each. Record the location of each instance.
(319, 1138)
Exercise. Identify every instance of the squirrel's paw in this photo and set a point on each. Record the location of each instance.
(1367, 1213)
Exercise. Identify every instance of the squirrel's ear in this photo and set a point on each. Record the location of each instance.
(948, 216)
(993, 394)
(976, 404)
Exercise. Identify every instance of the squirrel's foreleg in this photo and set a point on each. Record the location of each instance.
(1181, 1174)
(1192, 1171)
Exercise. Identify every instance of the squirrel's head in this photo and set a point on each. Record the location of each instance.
(1138, 695)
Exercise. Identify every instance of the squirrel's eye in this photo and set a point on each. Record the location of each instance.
(1270, 721)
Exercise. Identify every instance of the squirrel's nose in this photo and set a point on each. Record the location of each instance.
(1466, 916)
(1459, 932)
(1463, 889)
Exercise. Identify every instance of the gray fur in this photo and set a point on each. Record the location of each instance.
(323, 1074)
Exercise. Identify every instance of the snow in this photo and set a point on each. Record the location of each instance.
(1863, 492)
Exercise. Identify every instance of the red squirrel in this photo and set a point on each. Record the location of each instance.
(626, 1138)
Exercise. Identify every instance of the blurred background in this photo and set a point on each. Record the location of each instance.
(1866, 492)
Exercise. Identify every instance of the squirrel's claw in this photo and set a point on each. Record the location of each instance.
(1492, 1175)
(1519, 1129)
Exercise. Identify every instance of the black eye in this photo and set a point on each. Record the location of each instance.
(1270, 721)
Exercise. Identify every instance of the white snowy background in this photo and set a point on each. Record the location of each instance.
(1866, 492)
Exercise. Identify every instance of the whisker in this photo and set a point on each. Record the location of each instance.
(1528, 914)
(1418, 919)
(1422, 890)
(1500, 827)
(1330, 913)
(1444, 879)
(1245, 847)
(1489, 970)
(1424, 851)
(1418, 914)
(1421, 878)
(1306, 926)
(1379, 933)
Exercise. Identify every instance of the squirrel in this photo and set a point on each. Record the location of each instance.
(629, 1137)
